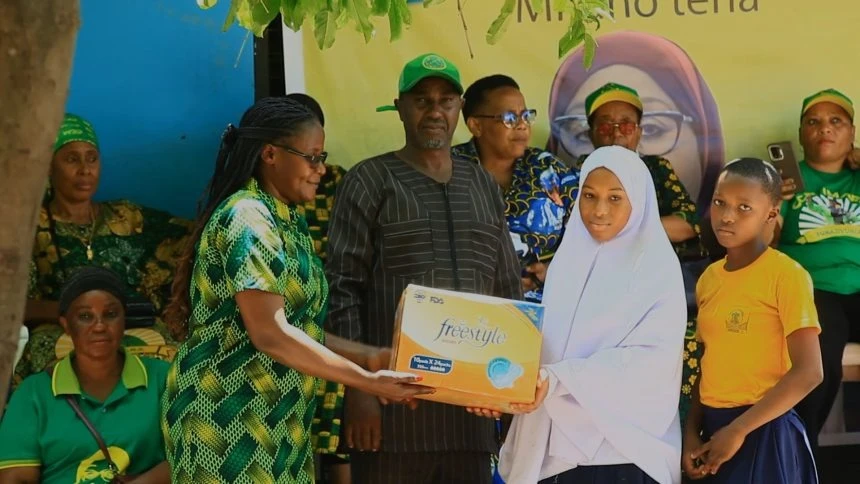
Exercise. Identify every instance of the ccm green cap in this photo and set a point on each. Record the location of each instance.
(829, 96)
(422, 67)
(612, 92)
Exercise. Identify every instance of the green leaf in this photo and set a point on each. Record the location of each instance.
(292, 14)
(359, 11)
(537, 6)
(231, 15)
(573, 37)
(206, 4)
(256, 15)
(500, 25)
(325, 28)
(342, 15)
(428, 3)
(589, 50)
(380, 7)
(398, 17)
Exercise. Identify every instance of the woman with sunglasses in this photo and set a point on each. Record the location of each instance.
(680, 122)
(539, 189)
(250, 297)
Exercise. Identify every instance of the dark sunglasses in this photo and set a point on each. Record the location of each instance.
(314, 160)
(512, 119)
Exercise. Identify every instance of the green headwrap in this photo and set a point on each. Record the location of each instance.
(75, 128)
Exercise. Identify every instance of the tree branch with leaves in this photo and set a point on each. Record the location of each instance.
(329, 16)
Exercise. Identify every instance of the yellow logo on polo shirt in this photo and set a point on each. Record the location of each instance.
(737, 322)
(95, 469)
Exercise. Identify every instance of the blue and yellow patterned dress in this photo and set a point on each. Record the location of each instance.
(538, 203)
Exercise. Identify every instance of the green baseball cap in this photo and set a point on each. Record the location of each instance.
(829, 96)
(422, 67)
(610, 92)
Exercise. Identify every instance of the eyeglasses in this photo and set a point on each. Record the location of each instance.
(660, 132)
(313, 160)
(511, 119)
(626, 128)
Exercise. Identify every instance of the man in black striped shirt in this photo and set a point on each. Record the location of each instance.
(416, 215)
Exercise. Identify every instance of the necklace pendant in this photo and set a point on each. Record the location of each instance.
(89, 252)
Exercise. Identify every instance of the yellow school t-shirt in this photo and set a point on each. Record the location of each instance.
(744, 319)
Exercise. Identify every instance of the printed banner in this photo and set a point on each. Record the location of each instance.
(719, 78)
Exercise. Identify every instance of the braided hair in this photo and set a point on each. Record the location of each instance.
(759, 170)
(309, 103)
(267, 121)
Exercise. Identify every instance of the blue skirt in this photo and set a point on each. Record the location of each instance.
(778, 452)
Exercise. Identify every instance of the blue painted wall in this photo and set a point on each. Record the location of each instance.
(159, 80)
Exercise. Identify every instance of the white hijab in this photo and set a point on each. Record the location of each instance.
(612, 343)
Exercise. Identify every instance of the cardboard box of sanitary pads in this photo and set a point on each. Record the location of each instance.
(477, 351)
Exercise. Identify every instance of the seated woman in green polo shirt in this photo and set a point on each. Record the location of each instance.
(43, 439)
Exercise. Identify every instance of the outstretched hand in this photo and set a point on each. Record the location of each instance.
(396, 386)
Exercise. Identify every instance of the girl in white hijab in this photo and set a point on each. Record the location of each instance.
(612, 343)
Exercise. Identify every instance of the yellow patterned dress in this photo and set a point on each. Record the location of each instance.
(230, 413)
(140, 244)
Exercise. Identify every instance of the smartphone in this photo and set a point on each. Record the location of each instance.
(782, 156)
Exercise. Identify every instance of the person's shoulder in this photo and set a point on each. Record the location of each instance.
(465, 151)
(655, 162)
(461, 148)
(712, 272)
(475, 171)
(243, 204)
(34, 386)
(545, 158)
(156, 369)
(334, 172)
(131, 210)
(121, 204)
(156, 364)
(369, 168)
(782, 265)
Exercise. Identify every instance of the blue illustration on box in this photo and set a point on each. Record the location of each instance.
(431, 364)
(502, 372)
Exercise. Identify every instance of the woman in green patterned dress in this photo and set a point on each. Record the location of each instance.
(251, 297)
(139, 244)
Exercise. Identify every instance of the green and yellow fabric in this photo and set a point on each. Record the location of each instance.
(75, 128)
(828, 96)
(231, 413)
(140, 244)
(40, 429)
(611, 92)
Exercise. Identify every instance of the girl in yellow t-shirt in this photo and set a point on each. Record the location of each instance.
(759, 326)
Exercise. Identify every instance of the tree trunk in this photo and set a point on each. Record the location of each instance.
(37, 43)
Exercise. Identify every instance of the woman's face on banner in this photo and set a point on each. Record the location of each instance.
(666, 132)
